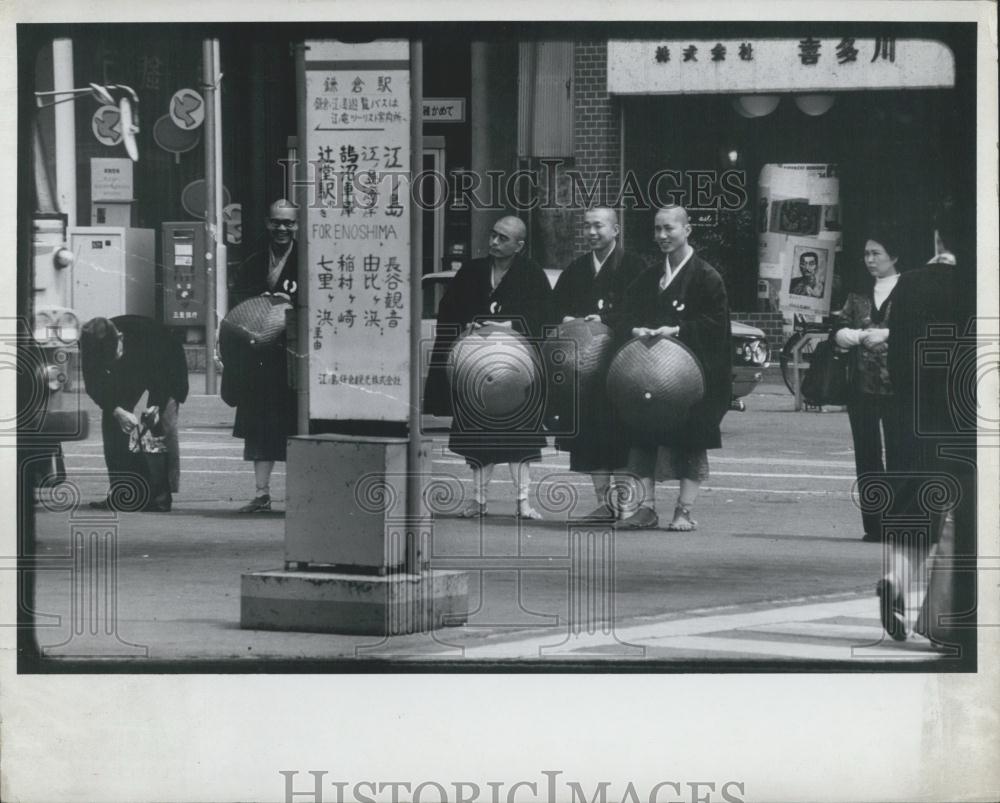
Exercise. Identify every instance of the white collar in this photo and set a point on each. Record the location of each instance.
(669, 274)
(599, 263)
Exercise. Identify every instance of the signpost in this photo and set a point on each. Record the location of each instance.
(357, 535)
(357, 143)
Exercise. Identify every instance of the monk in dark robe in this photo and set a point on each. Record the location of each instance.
(510, 290)
(592, 287)
(256, 381)
(682, 297)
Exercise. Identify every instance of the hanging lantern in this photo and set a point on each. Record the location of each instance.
(757, 105)
(814, 105)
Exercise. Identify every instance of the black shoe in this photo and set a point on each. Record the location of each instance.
(644, 518)
(260, 504)
(872, 538)
(892, 609)
(604, 514)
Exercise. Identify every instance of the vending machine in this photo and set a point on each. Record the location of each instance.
(184, 283)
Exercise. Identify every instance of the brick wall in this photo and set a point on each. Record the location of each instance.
(769, 322)
(596, 143)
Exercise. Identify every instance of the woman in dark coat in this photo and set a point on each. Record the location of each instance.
(509, 289)
(863, 329)
(683, 297)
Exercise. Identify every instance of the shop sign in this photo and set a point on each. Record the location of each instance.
(187, 109)
(356, 231)
(111, 180)
(443, 110)
(106, 125)
(804, 64)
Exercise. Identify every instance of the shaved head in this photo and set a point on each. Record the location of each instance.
(671, 230)
(606, 213)
(283, 209)
(282, 222)
(679, 213)
(515, 227)
(507, 238)
(600, 227)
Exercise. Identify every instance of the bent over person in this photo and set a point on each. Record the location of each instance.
(510, 290)
(682, 297)
(592, 287)
(123, 358)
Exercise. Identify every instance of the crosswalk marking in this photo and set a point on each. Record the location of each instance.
(771, 649)
(748, 633)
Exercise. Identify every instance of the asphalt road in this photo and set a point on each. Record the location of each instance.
(776, 573)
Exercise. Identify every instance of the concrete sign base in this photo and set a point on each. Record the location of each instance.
(361, 604)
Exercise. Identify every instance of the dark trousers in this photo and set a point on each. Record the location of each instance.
(871, 417)
(139, 480)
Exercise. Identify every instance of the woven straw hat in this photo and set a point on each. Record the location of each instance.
(496, 380)
(258, 321)
(576, 359)
(654, 382)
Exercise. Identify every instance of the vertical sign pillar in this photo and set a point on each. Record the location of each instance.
(357, 230)
(356, 534)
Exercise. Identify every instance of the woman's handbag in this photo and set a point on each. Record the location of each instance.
(826, 380)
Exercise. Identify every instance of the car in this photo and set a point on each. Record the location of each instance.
(750, 347)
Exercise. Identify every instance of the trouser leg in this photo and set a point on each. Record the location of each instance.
(520, 475)
(481, 476)
(642, 468)
(168, 417)
(128, 476)
(867, 438)
(602, 484)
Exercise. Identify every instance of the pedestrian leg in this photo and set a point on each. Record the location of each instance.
(639, 510)
(520, 474)
(481, 476)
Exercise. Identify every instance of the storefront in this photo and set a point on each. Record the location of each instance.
(792, 146)
(616, 119)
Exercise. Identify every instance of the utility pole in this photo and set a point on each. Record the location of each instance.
(213, 193)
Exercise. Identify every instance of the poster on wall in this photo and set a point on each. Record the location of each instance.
(798, 237)
(807, 281)
(357, 229)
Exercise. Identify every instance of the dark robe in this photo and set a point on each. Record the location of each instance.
(598, 444)
(256, 381)
(152, 360)
(922, 298)
(932, 363)
(523, 296)
(251, 276)
(696, 302)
